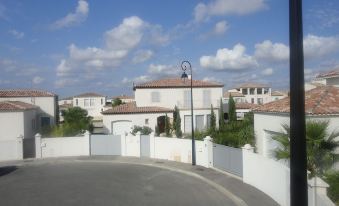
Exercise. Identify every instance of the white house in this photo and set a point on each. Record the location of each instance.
(18, 122)
(65, 100)
(93, 103)
(321, 103)
(124, 98)
(237, 96)
(256, 93)
(276, 95)
(162, 96)
(330, 78)
(46, 101)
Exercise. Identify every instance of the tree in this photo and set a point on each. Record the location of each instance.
(231, 110)
(212, 120)
(167, 126)
(221, 115)
(320, 146)
(116, 102)
(177, 122)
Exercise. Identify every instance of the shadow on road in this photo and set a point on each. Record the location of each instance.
(6, 170)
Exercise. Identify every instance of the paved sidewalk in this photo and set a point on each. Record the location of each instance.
(235, 192)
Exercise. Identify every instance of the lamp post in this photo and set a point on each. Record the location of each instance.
(184, 66)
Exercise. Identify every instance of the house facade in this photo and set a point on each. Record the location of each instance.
(93, 103)
(46, 101)
(124, 98)
(164, 95)
(256, 93)
(321, 104)
(330, 78)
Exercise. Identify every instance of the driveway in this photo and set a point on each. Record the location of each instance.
(114, 181)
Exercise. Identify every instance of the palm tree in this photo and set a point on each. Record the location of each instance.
(320, 146)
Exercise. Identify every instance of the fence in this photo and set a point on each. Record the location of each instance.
(11, 149)
(105, 145)
(228, 159)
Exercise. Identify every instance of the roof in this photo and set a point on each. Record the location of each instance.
(233, 94)
(66, 98)
(123, 96)
(131, 108)
(89, 94)
(65, 106)
(15, 106)
(25, 93)
(278, 93)
(245, 105)
(329, 74)
(318, 101)
(253, 85)
(177, 83)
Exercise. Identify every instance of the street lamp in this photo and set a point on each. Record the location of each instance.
(184, 66)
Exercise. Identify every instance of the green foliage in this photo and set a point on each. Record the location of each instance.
(320, 146)
(143, 130)
(167, 126)
(116, 102)
(221, 115)
(212, 120)
(177, 122)
(76, 122)
(231, 110)
(332, 179)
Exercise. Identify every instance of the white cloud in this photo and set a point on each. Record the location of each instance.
(63, 68)
(221, 27)
(226, 7)
(75, 18)
(317, 46)
(16, 34)
(229, 59)
(211, 79)
(162, 70)
(64, 82)
(267, 72)
(272, 52)
(142, 56)
(38, 80)
(137, 80)
(3, 10)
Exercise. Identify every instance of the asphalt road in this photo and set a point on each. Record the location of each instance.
(103, 183)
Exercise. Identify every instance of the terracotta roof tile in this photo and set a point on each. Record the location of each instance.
(278, 93)
(177, 83)
(233, 94)
(89, 94)
(245, 105)
(253, 85)
(25, 93)
(65, 106)
(15, 106)
(131, 108)
(329, 74)
(123, 97)
(318, 101)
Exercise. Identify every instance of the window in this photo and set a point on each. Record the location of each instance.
(76, 102)
(91, 102)
(33, 124)
(251, 90)
(199, 122)
(260, 101)
(206, 97)
(187, 99)
(86, 102)
(252, 100)
(102, 101)
(155, 96)
(244, 91)
(45, 121)
(208, 122)
(266, 91)
(259, 90)
(188, 124)
(146, 121)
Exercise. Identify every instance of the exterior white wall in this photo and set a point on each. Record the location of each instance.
(94, 110)
(272, 123)
(196, 112)
(136, 119)
(11, 125)
(169, 97)
(64, 146)
(11, 149)
(65, 101)
(266, 97)
(47, 105)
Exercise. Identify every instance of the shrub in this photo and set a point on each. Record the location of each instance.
(143, 130)
(332, 179)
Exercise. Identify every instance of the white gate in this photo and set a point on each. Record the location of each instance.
(133, 145)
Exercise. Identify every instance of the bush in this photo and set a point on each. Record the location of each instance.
(143, 130)
(332, 179)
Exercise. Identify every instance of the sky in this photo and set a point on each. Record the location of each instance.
(74, 46)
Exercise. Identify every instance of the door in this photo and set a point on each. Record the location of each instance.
(121, 127)
(199, 122)
(188, 124)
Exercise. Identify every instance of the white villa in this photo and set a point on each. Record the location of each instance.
(330, 78)
(93, 103)
(256, 93)
(321, 103)
(155, 99)
(45, 101)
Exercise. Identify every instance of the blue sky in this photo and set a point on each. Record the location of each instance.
(73, 46)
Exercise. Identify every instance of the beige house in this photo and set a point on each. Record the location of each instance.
(92, 102)
(158, 97)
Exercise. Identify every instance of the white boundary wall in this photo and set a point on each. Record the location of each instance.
(11, 149)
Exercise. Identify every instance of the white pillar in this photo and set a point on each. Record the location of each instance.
(248, 147)
(20, 154)
(138, 142)
(208, 151)
(38, 153)
(152, 145)
(87, 144)
(123, 144)
(319, 187)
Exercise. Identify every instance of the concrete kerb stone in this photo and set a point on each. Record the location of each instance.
(235, 199)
